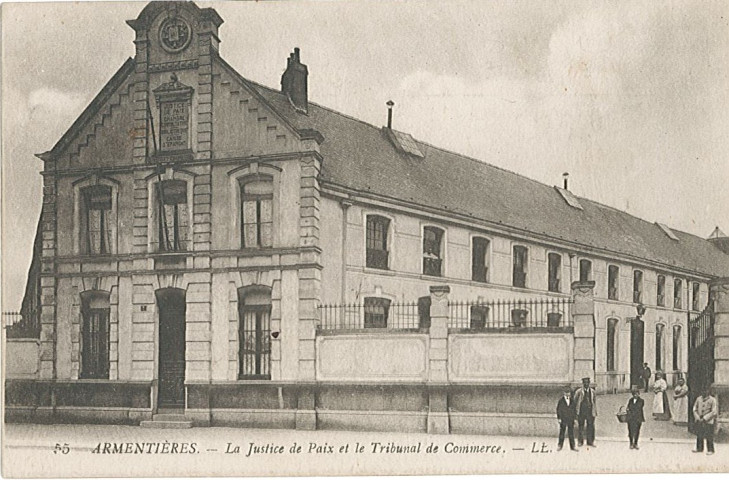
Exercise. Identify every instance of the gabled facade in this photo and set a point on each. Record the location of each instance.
(195, 223)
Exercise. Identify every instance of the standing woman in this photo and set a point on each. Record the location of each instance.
(661, 409)
(680, 403)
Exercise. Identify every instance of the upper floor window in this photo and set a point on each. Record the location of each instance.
(519, 277)
(637, 286)
(173, 215)
(695, 288)
(612, 330)
(661, 291)
(613, 277)
(377, 249)
(585, 270)
(660, 329)
(479, 260)
(554, 267)
(376, 312)
(96, 222)
(677, 288)
(433, 251)
(676, 347)
(256, 195)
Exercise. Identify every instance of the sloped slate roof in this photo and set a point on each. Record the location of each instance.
(360, 156)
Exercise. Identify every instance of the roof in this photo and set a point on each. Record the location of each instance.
(361, 157)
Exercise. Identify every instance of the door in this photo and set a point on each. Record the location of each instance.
(171, 304)
(636, 351)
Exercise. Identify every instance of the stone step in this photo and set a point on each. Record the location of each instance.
(169, 417)
(165, 424)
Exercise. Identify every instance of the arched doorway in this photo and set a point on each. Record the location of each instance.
(171, 307)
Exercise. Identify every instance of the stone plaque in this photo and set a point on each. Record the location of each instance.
(175, 125)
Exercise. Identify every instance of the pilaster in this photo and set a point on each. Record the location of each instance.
(438, 421)
(583, 317)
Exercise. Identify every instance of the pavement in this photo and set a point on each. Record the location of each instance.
(100, 450)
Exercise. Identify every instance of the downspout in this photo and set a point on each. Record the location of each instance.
(343, 293)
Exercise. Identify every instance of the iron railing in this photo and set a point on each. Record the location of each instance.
(510, 314)
(374, 313)
(19, 326)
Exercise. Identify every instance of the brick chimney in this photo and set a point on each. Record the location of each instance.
(294, 82)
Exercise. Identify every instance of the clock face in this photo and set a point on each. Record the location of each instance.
(175, 34)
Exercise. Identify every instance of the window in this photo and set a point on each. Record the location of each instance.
(254, 332)
(661, 291)
(96, 220)
(376, 311)
(256, 195)
(377, 253)
(479, 317)
(555, 267)
(612, 331)
(613, 276)
(695, 296)
(520, 266)
(95, 335)
(585, 270)
(173, 228)
(479, 260)
(659, 346)
(432, 251)
(637, 286)
(424, 312)
(676, 347)
(677, 288)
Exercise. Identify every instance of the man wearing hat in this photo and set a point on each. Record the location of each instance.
(635, 416)
(566, 418)
(586, 408)
(706, 409)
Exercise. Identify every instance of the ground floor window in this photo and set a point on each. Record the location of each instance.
(95, 335)
(254, 334)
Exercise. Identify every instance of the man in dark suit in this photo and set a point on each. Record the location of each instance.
(646, 376)
(635, 416)
(586, 409)
(566, 417)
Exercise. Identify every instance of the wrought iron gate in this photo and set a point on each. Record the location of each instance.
(700, 355)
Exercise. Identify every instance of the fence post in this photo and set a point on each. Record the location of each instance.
(438, 421)
(720, 294)
(583, 316)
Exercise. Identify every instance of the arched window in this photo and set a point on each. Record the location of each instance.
(661, 291)
(660, 331)
(94, 335)
(676, 347)
(613, 282)
(480, 260)
(256, 194)
(677, 288)
(612, 332)
(96, 222)
(377, 247)
(585, 270)
(521, 261)
(433, 251)
(554, 267)
(173, 230)
(637, 286)
(254, 343)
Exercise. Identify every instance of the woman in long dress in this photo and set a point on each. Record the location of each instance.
(680, 403)
(661, 409)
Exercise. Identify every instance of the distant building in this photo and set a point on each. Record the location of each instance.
(244, 256)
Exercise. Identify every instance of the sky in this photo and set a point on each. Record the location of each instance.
(629, 97)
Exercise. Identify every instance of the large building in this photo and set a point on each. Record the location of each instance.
(240, 255)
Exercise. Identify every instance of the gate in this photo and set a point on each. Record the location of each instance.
(700, 355)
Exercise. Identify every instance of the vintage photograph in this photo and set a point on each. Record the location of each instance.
(364, 238)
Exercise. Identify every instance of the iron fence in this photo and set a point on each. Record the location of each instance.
(375, 313)
(510, 314)
(19, 326)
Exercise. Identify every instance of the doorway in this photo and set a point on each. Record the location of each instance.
(637, 330)
(171, 305)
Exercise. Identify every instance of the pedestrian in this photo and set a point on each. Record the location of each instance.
(586, 409)
(680, 403)
(661, 407)
(635, 416)
(646, 375)
(705, 412)
(566, 418)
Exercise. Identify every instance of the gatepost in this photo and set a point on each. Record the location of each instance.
(438, 421)
(720, 294)
(583, 316)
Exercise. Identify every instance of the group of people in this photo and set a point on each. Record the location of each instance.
(581, 406)
(662, 409)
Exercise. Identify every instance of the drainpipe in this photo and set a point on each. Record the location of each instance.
(345, 209)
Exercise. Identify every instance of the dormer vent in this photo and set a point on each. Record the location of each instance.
(669, 233)
(569, 198)
(404, 142)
